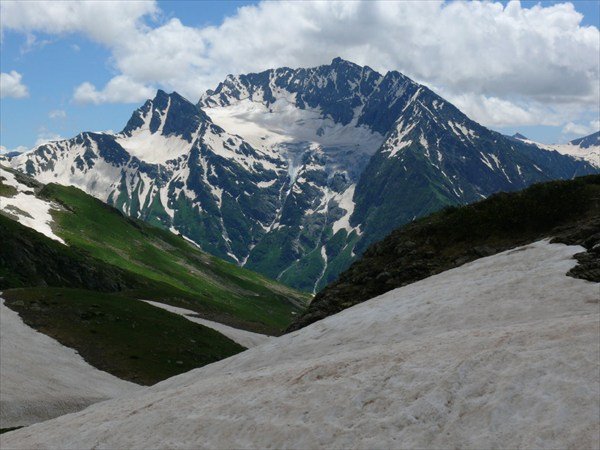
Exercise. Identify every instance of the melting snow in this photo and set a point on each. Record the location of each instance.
(345, 202)
(487, 355)
(154, 148)
(242, 337)
(27, 208)
(42, 379)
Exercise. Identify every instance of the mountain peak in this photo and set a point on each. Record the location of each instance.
(163, 96)
(587, 141)
(520, 137)
(167, 113)
(340, 61)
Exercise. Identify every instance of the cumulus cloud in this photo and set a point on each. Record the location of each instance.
(580, 129)
(120, 89)
(104, 22)
(45, 136)
(503, 64)
(57, 114)
(11, 85)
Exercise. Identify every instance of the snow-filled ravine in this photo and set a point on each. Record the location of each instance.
(41, 379)
(246, 338)
(499, 353)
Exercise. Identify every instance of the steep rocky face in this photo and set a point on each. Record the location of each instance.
(435, 156)
(293, 172)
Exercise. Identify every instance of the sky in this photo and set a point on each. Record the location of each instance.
(67, 67)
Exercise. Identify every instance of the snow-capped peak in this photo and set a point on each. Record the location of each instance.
(586, 148)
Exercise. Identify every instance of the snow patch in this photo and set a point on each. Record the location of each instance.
(41, 379)
(28, 210)
(485, 355)
(242, 337)
(154, 148)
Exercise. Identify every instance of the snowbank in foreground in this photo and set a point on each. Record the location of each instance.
(501, 352)
(242, 337)
(41, 379)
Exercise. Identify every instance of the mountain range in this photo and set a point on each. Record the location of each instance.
(294, 172)
(585, 148)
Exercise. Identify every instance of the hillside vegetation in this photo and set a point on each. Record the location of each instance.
(110, 252)
(86, 294)
(125, 337)
(568, 211)
(217, 287)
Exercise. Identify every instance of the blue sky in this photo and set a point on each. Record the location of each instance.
(66, 66)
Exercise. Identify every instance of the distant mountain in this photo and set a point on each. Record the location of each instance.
(293, 172)
(593, 140)
(519, 136)
(586, 148)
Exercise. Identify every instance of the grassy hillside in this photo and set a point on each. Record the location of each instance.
(159, 255)
(147, 262)
(566, 210)
(125, 337)
(87, 294)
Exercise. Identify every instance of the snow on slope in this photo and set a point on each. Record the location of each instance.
(500, 353)
(590, 154)
(282, 121)
(242, 337)
(41, 379)
(27, 208)
(154, 148)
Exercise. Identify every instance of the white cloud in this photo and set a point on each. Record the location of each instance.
(45, 136)
(57, 114)
(120, 89)
(103, 21)
(11, 86)
(502, 64)
(581, 129)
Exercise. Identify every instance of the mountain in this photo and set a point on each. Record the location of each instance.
(519, 136)
(585, 148)
(592, 140)
(76, 271)
(294, 172)
(499, 353)
(567, 211)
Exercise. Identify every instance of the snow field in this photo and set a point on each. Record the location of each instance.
(41, 379)
(496, 353)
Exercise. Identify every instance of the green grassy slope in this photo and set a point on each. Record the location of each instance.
(211, 286)
(567, 210)
(110, 252)
(86, 294)
(125, 337)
